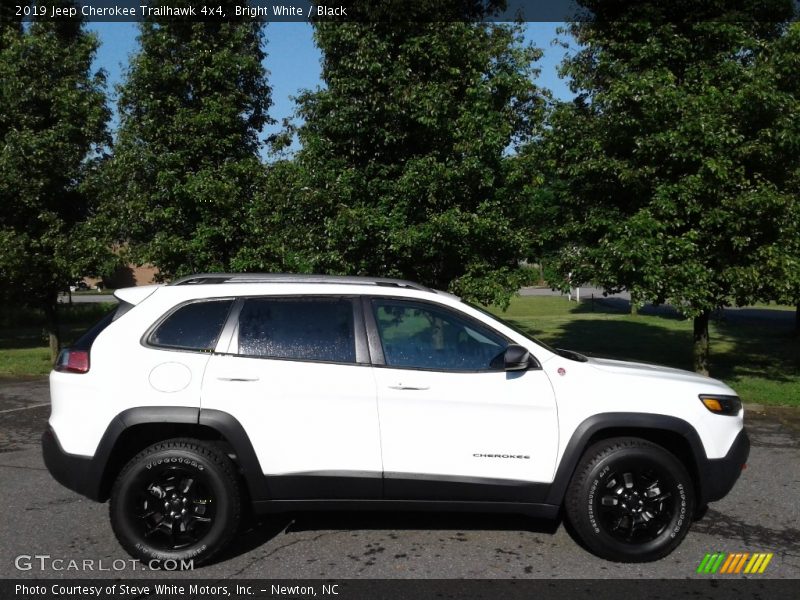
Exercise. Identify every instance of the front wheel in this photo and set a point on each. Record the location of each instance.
(178, 500)
(630, 500)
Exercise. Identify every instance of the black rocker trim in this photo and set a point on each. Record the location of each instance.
(532, 509)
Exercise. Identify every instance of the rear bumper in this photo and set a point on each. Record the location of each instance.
(70, 470)
(719, 475)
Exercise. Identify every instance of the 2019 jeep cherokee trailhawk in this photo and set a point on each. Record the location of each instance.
(292, 392)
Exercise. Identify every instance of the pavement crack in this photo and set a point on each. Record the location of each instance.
(272, 552)
(23, 467)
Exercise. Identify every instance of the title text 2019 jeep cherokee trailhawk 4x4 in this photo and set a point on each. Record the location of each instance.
(293, 392)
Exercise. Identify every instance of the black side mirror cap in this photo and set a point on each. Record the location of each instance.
(516, 358)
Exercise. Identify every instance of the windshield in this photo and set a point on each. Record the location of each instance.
(568, 354)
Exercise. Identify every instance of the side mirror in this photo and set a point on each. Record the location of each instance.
(516, 358)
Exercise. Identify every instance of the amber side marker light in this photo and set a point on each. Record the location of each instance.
(722, 405)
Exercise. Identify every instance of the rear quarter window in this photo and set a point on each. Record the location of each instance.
(194, 326)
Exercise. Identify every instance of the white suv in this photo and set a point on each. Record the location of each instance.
(218, 392)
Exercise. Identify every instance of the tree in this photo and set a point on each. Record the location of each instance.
(403, 159)
(53, 117)
(9, 20)
(781, 154)
(667, 173)
(186, 160)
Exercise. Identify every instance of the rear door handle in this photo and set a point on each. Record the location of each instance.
(245, 379)
(400, 386)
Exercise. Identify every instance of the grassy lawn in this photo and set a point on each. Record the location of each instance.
(759, 358)
(23, 341)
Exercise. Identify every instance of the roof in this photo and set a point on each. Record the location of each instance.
(221, 278)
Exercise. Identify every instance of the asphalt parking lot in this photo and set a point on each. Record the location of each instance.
(761, 514)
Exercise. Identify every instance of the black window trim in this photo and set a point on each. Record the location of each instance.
(231, 329)
(376, 346)
(145, 339)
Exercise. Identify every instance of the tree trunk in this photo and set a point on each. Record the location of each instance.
(52, 327)
(634, 306)
(700, 350)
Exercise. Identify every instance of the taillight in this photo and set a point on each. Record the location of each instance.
(73, 361)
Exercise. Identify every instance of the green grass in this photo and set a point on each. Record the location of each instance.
(23, 339)
(759, 358)
(24, 362)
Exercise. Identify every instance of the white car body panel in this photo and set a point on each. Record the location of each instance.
(119, 377)
(435, 423)
(301, 417)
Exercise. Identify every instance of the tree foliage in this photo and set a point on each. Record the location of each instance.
(53, 117)
(782, 156)
(403, 159)
(186, 161)
(669, 169)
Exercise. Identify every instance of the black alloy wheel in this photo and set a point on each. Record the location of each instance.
(178, 500)
(630, 500)
(175, 507)
(635, 503)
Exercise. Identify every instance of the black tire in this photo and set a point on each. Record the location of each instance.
(178, 500)
(630, 500)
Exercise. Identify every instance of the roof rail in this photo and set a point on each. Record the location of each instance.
(209, 278)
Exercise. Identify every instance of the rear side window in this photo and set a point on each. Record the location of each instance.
(194, 326)
(298, 328)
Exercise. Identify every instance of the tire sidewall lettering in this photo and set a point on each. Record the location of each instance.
(156, 555)
(190, 462)
(681, 513)
(591, 498)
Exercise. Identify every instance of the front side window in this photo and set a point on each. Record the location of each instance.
(426, 337)
(194, 326)
(298, 328)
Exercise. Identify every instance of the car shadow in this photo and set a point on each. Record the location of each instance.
(259, 530)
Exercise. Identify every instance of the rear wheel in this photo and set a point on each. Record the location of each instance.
(630, 500)
(176, 500)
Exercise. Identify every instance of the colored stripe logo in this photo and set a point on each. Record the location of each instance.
(734, 563)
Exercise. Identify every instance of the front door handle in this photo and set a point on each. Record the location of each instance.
(237, 378)
(400, 386)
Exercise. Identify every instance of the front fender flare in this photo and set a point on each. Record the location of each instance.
(652, 422)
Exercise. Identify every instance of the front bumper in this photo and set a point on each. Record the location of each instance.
(717, 476)
(70, 470)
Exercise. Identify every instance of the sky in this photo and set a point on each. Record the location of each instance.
(293, 61)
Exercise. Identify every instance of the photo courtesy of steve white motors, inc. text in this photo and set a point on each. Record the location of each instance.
(141, 10)
(195, 590)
